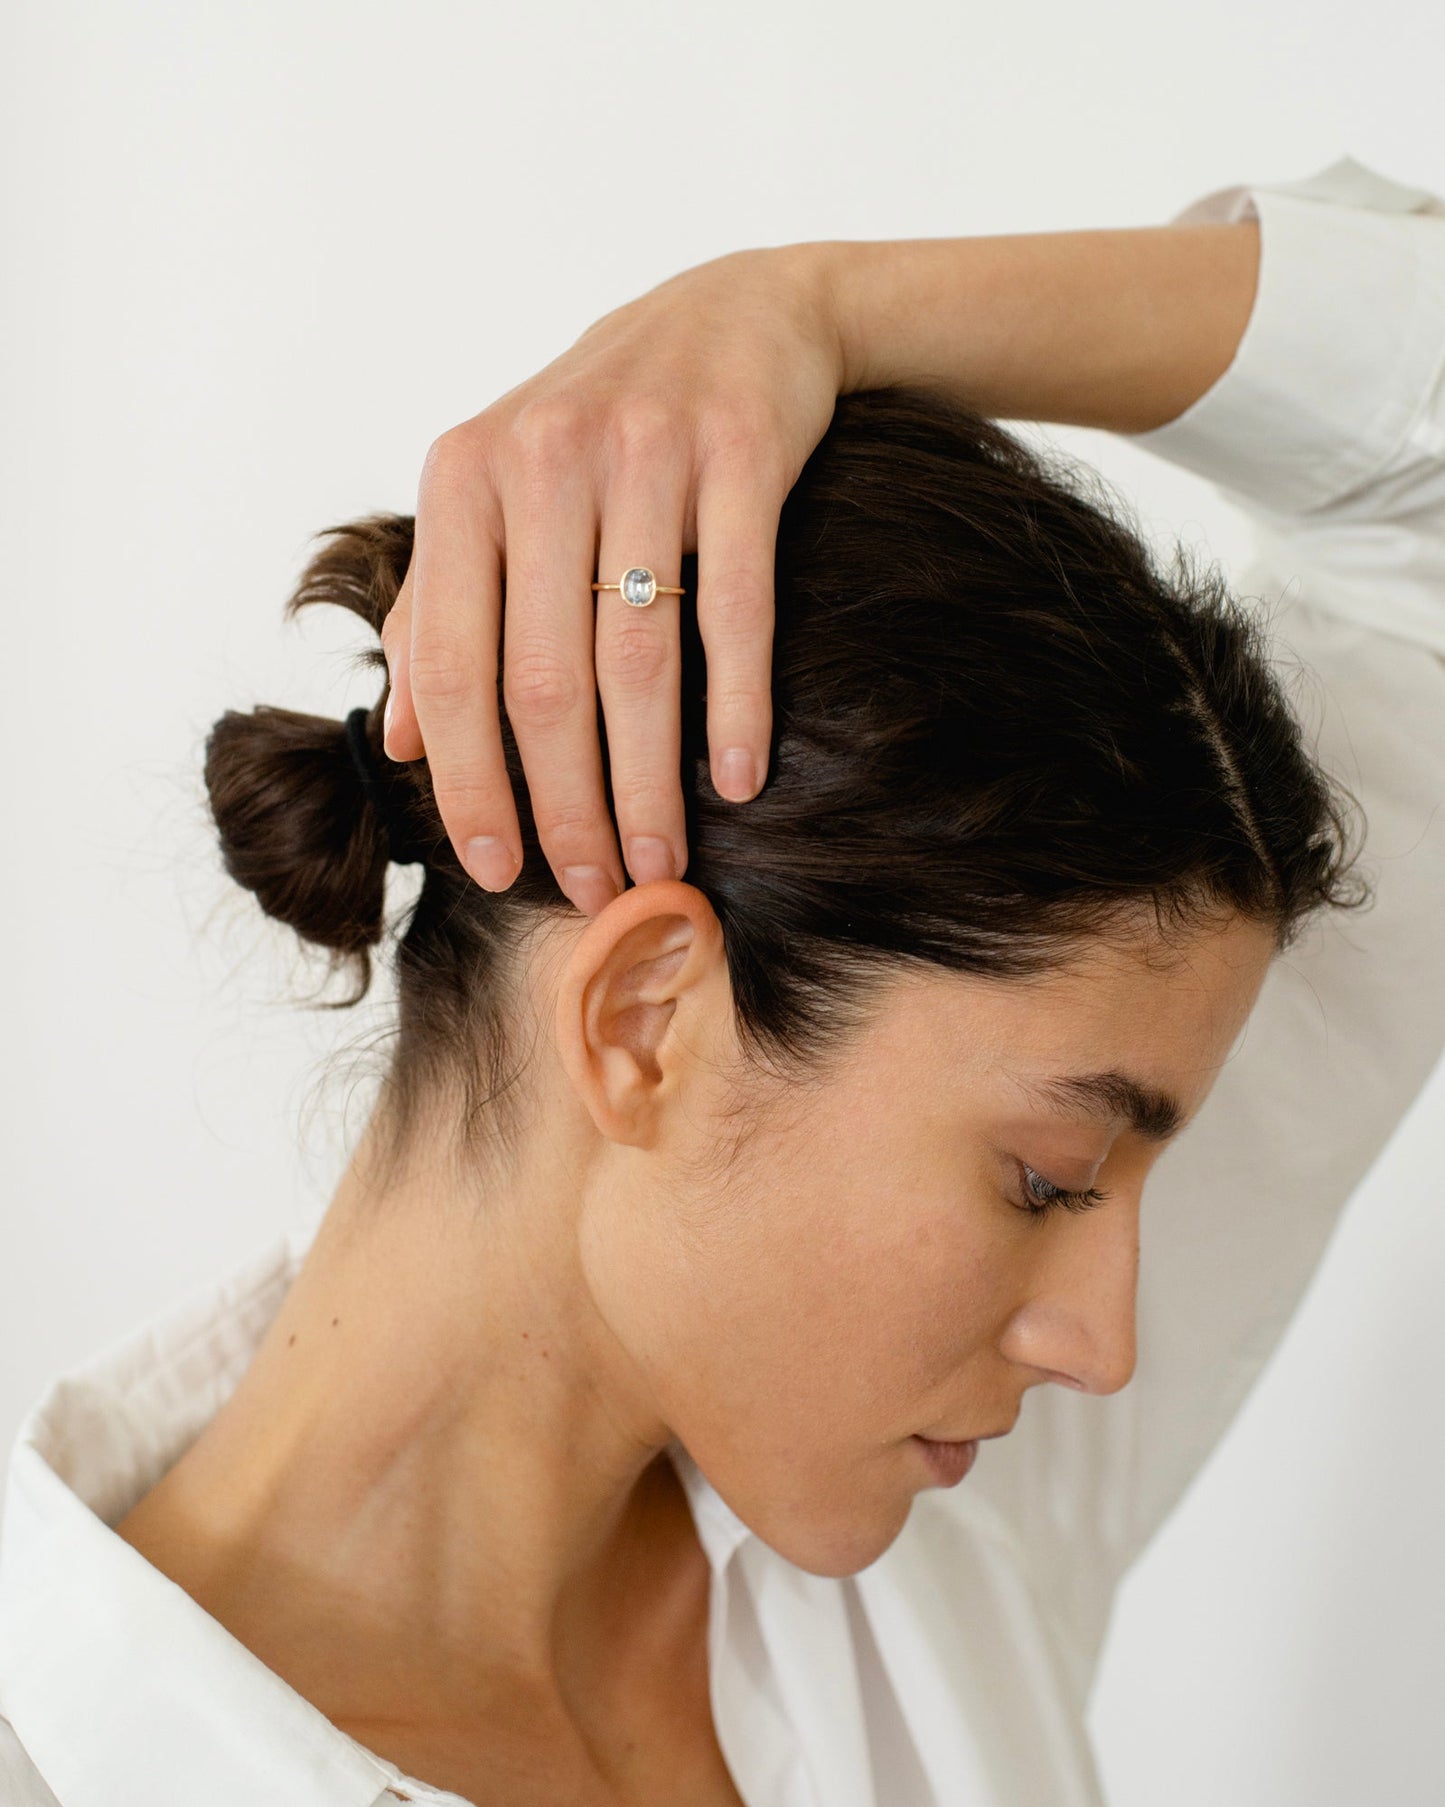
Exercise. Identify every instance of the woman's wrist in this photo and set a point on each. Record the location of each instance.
(1120, 328)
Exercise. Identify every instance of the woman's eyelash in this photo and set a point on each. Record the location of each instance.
(1056, 1198)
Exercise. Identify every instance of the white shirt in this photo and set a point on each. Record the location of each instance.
(955, 1670)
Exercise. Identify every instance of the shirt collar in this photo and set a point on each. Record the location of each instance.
(122, 1689)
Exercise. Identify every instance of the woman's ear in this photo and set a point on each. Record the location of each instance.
(643, 1001)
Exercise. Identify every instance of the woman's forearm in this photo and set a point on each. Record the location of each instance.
(1116, 327)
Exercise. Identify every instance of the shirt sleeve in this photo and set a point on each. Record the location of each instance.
(1328, 427)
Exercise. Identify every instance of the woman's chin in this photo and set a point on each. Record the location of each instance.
(833, 1544)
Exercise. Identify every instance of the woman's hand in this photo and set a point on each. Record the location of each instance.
(676, 423)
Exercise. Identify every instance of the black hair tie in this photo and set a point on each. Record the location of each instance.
(378, 792)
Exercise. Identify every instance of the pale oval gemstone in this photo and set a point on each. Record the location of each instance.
(639, 586)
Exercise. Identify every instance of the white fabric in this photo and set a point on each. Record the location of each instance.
(954, 1672)
(1328, 428)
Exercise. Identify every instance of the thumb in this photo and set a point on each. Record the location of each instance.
(401, 733)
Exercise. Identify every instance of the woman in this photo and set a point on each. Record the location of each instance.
(607, 1441)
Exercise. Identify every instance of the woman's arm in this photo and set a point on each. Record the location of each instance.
(1117, 328)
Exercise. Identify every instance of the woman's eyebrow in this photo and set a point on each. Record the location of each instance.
(1114, 1097)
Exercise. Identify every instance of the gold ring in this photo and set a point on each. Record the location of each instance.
(639, 586)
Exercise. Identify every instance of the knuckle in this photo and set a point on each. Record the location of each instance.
(742, 432)
(740, 701)
(458, 479)
(736, 606)
(441, 668)
(448, 457)
(566, 827)
(636, 656)
(464, 794)
(540, 687)
(641, 430)
(549, 431)
(643, 805)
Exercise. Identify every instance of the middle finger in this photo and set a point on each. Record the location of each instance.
(549, 684)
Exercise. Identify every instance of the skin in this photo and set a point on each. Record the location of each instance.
(436, 1504)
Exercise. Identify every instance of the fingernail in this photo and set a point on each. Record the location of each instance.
(738, 774)
(491, 862)
(589, 887)
(649, 857)
(386, 723)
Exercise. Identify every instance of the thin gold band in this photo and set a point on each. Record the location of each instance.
(661, 590)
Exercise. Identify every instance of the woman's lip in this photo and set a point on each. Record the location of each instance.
(948, 1462)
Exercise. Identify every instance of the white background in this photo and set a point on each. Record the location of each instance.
(255, 258)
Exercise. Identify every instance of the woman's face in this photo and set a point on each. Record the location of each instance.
(863, 1265)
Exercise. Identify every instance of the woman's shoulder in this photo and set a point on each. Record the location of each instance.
(21, 1783)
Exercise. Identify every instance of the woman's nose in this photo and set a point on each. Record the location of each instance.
(1079, 1324)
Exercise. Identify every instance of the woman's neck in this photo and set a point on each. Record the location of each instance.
(441, 1470)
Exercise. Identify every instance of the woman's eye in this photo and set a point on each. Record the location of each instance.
(1040, 1196)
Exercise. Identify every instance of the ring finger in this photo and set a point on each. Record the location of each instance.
(639, 663)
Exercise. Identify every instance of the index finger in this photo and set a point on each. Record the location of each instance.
(456, 610)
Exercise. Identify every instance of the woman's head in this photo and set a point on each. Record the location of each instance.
(1036, 811)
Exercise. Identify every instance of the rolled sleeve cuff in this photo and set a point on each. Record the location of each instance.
(1343, 345)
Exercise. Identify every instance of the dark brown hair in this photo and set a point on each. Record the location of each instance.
(1000, 729)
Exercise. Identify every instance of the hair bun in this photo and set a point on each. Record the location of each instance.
(294, 826)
